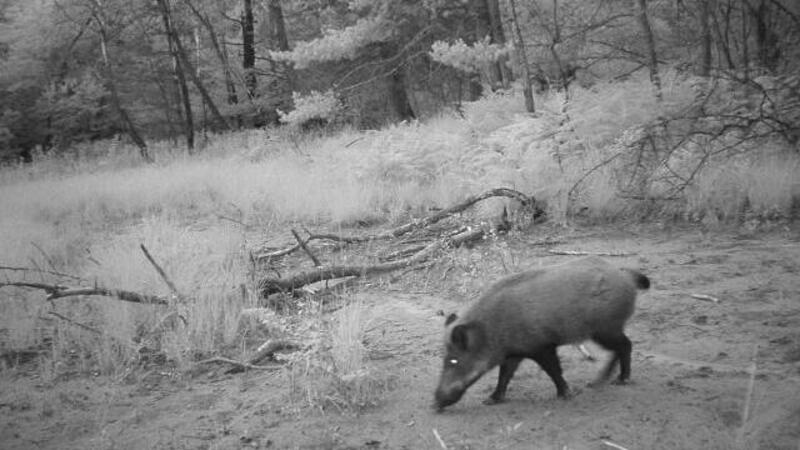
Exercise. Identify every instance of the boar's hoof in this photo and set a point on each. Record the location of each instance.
(494, 400)
(569, 393)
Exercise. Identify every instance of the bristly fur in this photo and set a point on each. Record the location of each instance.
(527, 315)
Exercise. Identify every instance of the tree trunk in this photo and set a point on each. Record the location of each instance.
(723, 34)
(519, 47)
(219, 50)
(249, 49)
(399, 97)
(180, 53)
(745, 45)
(277, 26)
(187, 65)
(127, 123)
(499, 38)
(283, 73)
(652, 60)
(705, 24)
(177, 65)
(766, 39)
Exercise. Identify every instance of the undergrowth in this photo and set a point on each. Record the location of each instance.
(86, 213)
(334, 372)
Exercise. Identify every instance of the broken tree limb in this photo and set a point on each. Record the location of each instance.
(416, 224)
(55, 291)
(269, 286)
(161, 272)
(305, 248)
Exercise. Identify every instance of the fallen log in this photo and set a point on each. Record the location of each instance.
(55, 291)
(269, 286)
(413, 225)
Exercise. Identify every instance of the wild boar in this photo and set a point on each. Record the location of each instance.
(530, 314)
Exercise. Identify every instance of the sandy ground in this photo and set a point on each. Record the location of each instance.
(692, 365)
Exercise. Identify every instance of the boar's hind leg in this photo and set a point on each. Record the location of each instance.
(621, 346)
(548, 361)
(507, 369)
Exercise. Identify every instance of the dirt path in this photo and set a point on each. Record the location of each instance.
(690, 370)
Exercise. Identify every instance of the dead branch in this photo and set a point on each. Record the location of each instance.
(161, 272)
(587, 355)
(76, 323)
(278, 253)
(269, 286)
(305, 248)
(612, 445)
(416, 224)
(47, 257)
(439, 439)
(705, 298)
(55, 291)
(581, 253)
(239, 364)
(40, 271)
(268, 349)
(746, 409)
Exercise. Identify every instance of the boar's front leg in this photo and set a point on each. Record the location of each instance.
(507, 369)
(547, 359)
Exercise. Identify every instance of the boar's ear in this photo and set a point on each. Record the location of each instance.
(450, 319)
(468, 337)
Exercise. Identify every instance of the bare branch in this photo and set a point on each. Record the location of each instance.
(417, 224)
(268, 286)
(161, 272)
(243, 365)
(73, 322)
(305, 248)
(42, 271)
(581, 253)
(55, 291)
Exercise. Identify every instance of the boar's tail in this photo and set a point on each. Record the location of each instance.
(641, 281)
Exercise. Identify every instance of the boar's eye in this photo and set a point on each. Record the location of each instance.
(452, 362)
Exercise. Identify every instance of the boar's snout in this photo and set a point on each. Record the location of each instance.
(446, 397)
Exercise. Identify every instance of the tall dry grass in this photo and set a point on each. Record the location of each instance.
(335, 371)
(87, 214)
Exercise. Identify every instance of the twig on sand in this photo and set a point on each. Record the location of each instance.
(439, 439)
(585, 352)
(239, 364)
(581, 253)
(748, 396)
(705, 298)
(612, 445)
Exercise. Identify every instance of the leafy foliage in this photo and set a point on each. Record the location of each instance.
(336, 44)
(324, 106)
(469, 58)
